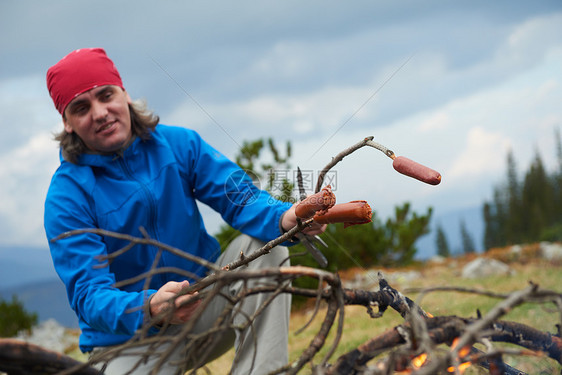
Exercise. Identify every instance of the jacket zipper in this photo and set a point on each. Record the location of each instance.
(151, 209)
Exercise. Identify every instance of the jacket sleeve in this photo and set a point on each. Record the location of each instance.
(89, 282)
(224, 186)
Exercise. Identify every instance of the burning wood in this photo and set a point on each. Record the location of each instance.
(418, 361)
(401, 344)
(460, 368)
(464, 351)
(443, 330)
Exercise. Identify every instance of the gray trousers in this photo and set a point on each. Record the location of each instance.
(259, 350)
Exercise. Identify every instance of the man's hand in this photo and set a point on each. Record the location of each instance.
(290, 220)
(169, 293)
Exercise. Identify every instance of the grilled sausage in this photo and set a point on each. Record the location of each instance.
(415, 170)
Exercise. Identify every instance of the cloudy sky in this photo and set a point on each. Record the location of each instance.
(453, 85)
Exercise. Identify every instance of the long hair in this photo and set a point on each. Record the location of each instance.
(143, 122)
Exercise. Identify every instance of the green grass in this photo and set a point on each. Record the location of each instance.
(359, 327)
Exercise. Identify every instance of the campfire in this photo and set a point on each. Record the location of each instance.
(424, 344)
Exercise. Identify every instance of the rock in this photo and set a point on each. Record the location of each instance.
(437, 259)
(403, 276)
(484, 267)
(551, 251)
(369, 280)
(363, 280)
(516, 250)
(50, 335)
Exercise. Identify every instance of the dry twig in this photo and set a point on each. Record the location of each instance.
(420, 332)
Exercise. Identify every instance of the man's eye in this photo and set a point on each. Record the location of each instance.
(80, 109)
(107, 95)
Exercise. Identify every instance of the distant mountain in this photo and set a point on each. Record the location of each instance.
(450, 221)
(29, 274)
(47, 298)
(24, 265)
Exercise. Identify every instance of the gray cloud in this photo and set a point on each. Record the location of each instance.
(288, 69)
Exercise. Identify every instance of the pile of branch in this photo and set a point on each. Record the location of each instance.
(421, 335)
(416, 346)
(21, 358)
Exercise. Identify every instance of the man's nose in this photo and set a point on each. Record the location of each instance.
(99, 111)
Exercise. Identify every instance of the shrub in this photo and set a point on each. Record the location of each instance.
(14, 318)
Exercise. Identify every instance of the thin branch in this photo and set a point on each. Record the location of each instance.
(368, 141)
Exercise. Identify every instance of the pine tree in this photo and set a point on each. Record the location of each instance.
(403, 231)
(388, 243)
(526, 211)
(490, 227)
(514, 221)
(537, 199)
(501, 215)
(248, 154)
(275, 173)
(467, 241)
(14, 318)
(557, 180)
(442, 244)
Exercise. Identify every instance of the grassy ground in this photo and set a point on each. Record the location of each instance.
(359, 327)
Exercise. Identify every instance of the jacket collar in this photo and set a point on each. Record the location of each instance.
(100, 160)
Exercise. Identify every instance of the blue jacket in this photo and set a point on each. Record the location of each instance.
(153, 185)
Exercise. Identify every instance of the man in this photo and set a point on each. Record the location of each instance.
(122, 171)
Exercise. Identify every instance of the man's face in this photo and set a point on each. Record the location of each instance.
(101, 118)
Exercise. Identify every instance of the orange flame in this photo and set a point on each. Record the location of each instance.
(462, 367)
(418, 361)
(463, 352)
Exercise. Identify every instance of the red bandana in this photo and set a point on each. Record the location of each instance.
(78, 72)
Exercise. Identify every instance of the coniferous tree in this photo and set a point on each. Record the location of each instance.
(403, 231)
(537, 198)
(557, 180)
(499, 215)
(14, 318)
(514, 220)
(467, 241)
(554, 230)
(528, 210)
(274, 173)
(490, 227)
(388, 243)
(248, 154)
(441, 243)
